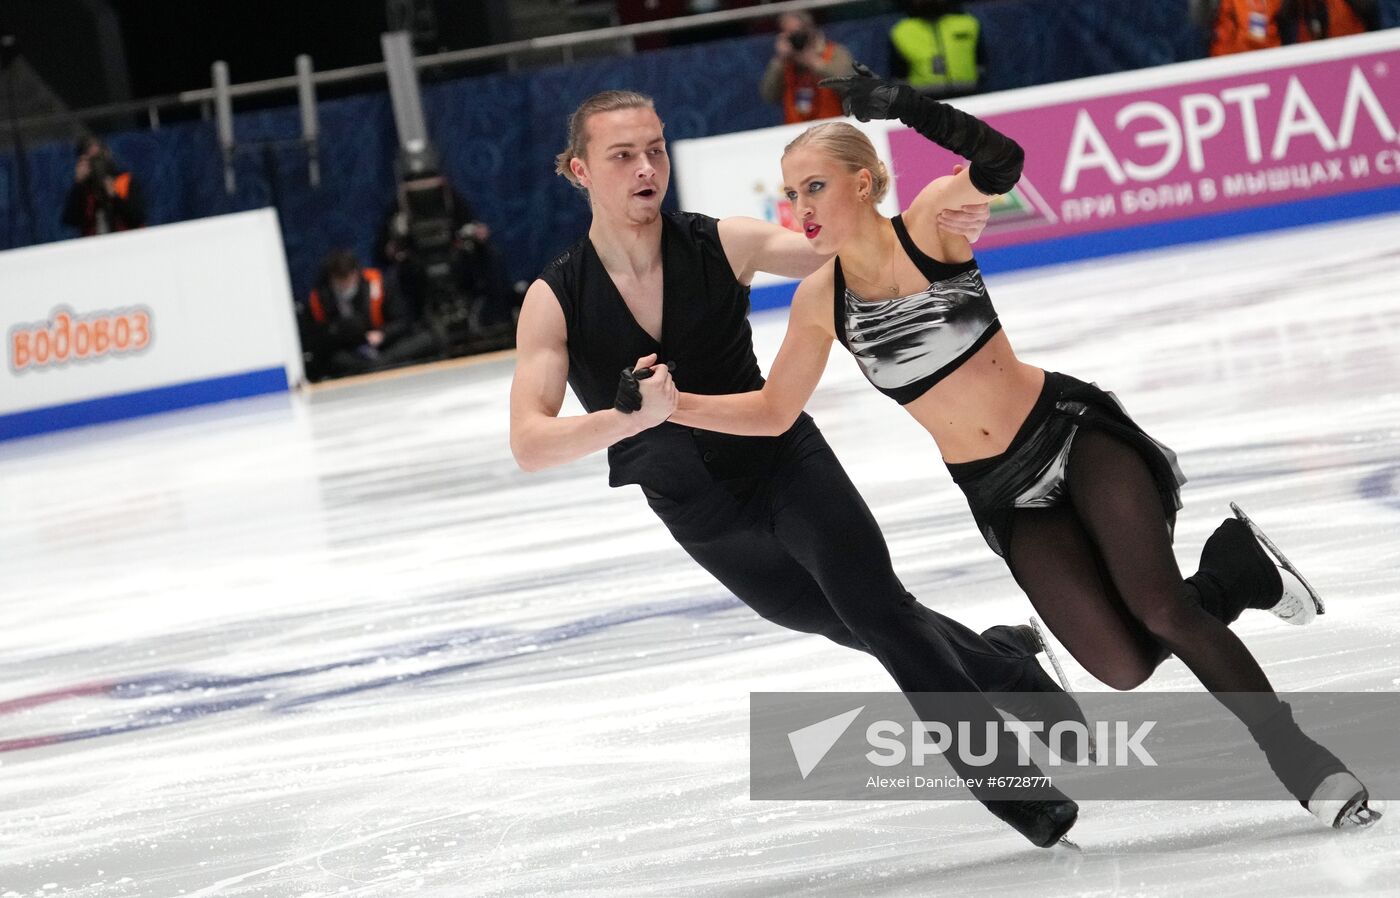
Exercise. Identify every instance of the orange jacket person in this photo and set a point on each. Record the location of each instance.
(103, 198)
(802, 57)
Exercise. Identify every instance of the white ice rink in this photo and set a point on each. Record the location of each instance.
(343, 646)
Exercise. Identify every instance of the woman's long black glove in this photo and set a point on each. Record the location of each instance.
(996, 159)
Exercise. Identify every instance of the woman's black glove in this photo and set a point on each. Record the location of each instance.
(864, 96)
(996, 159)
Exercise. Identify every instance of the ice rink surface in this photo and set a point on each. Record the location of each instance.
(343, 646)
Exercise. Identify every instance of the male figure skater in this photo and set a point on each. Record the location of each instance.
(775, 519)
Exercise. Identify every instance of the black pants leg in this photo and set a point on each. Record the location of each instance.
(820, 519)
(413, 346)
(753, 565)
(731, 532)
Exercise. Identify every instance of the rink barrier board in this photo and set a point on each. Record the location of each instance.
(145, 321)
(1221, 225)
(1129, 161)
(142, 402)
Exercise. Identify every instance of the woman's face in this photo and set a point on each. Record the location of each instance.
(826, 198)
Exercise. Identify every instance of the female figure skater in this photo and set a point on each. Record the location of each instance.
(1063, 484)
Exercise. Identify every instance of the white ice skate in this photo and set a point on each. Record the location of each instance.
(1340, 801)
(1300, 604)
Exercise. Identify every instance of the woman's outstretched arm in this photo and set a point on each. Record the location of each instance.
(795, 373)
(996, 159)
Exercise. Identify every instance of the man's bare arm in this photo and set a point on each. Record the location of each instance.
(752, 246)
(539, 438)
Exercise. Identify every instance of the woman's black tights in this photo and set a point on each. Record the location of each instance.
(1100, 571)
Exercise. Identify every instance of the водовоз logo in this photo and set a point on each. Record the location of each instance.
(68, 337)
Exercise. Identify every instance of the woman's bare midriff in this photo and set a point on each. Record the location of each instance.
(974, 412)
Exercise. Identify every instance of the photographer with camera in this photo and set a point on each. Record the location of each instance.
(104, 198)
(802, 56)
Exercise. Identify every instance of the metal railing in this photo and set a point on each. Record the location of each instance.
(565, 43)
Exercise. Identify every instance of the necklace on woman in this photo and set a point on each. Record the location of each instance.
(889, 283)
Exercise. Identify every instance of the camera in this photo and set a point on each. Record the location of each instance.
(798, 40)
(433, 258)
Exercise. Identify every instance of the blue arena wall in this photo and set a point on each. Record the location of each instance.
(498, 133)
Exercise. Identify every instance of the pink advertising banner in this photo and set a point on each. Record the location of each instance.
(1164, 153)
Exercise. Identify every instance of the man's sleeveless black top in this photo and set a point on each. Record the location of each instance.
(704, 330)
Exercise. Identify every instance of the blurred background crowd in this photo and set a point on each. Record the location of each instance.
(395, 257)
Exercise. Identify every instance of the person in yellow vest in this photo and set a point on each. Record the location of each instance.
(353, 322)
(802, 56)
(936, 49)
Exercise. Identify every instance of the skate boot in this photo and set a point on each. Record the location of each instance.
(1044, 823)
(1039, 697)
(1298, 603)
(1310, 772)
(1340, 801)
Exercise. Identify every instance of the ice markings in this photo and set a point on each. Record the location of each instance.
(504, 645)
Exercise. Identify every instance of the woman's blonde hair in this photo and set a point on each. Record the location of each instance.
(606, 101)
(849, 146)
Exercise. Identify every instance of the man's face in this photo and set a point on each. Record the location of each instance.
(625, 170)
(346, 284)
(790, 24)
(93, 151)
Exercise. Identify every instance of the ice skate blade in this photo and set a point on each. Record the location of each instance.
(1340, 801)
(1362, 817)
(1067, 845)
(1060, 675)
(1044, 647)
(1283, 562)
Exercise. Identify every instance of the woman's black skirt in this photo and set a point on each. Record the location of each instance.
(1031, 472)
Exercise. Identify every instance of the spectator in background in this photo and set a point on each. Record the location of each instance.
(354, 323)
(1242, 25)
(803, 56)
(104, 197)
(936, 48)
(1319, 19)
(1238, 26)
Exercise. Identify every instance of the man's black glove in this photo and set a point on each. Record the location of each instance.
(864, 96)
(629, 388)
